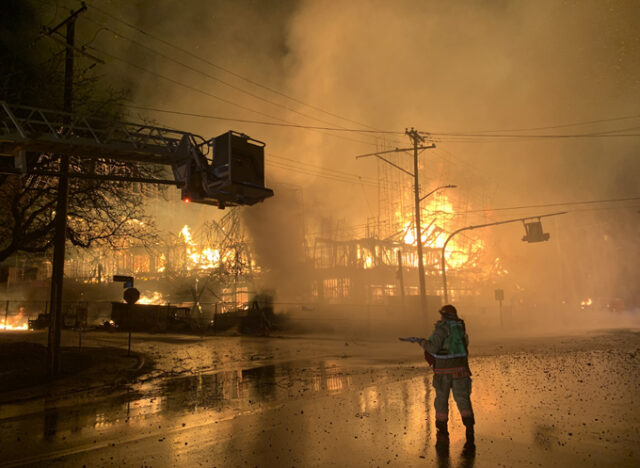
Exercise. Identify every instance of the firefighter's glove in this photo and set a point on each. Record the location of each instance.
(411, 339)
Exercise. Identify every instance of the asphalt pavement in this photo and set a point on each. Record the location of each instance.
(569, 400)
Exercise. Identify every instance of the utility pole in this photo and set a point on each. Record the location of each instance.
(60, 235)
(418, 139)
(52, 131)
(418, 145)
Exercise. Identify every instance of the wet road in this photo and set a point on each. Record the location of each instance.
(541, 402)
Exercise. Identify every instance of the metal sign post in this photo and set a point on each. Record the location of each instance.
(499, 295)
(131, 296)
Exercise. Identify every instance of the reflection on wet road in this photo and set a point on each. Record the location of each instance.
(569, 408)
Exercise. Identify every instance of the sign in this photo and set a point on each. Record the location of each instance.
(499, 293)
(127, 280)
(131, 295)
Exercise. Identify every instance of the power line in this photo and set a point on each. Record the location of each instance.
(219, 67)
(437, 136)
(323, 169)
(311, 172)
(469, 137)
(551, 127)
(319, 172)
(587, 202)
(201, 72)
(206, 93)
(355, 227)
(607, 208)
(259, 122)
(193, 88)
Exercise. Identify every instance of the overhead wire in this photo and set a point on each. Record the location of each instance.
(316, 171)
(312, 172)
(193, 88)
(567, 125)
(435, 136)
(471, 137)
(283, 122)
(322, 169)
(260, 122)
(214, 78)
(548, 205)
(308, 172)
(439, 136)
(226, 70)
(355, 227)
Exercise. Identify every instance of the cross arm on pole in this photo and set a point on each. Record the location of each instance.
(71, 17)
(422, 148)
(397, 150)
(394, 165)
(79, 50)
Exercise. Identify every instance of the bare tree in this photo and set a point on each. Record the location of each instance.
(100, 212)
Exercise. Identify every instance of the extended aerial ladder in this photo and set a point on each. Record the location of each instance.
(224, 171)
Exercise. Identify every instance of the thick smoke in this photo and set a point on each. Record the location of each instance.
(468, 67)
(276, 228)
(436, 66)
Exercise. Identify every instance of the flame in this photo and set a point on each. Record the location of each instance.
(211, 257)
(364, 257)
(155, 298)
(498, 269)
(436, 218)
(586, 303)
(205, 258)
(10, 327)
(162, 263)
(185, 232)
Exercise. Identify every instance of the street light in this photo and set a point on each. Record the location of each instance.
(436, 189)
(533, 234)
(418, 144)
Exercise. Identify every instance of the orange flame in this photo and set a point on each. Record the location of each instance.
(203, 259)
(437, 216)
(10, 327)
(155, 298)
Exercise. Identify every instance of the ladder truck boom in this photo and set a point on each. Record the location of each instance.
(223, 171)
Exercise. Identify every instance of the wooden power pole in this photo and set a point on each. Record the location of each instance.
(60, 234)
(417, 140)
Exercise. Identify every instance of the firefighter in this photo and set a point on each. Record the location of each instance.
(447, 350)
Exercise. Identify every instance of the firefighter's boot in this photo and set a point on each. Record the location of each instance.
(468, 422)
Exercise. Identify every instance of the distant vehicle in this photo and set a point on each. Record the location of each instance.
(69, 320)
(39, 323)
